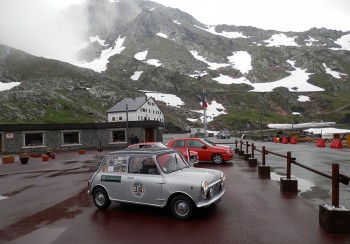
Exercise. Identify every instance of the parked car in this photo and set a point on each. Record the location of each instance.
(157, 177)
(223, 135)
(193, 159)
(206, 150)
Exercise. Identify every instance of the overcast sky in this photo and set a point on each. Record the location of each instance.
(284, 15)
(30, 25)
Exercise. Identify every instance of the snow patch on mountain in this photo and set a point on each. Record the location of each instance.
(333, 73)
(162, 35)
(8, 86)
(211, 29)
(278, 40)
(141, 55)
(242, 61)
(302, 98)
(212, 66)
(169, 99)
(100, 64)
(344, 42)
(136, 75)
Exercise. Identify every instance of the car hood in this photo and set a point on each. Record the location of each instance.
(210, 175)
(221, 147)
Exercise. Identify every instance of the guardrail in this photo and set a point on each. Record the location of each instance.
(329, 221)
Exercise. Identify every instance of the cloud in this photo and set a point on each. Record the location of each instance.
(36, 27)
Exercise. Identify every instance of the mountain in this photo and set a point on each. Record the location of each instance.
(255, 74)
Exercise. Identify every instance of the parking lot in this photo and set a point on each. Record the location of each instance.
(46, 202)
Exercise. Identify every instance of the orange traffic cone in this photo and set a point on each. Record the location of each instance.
(320, 143)
(293, 140)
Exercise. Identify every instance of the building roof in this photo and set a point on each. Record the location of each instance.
(133, 104)
(80, 126)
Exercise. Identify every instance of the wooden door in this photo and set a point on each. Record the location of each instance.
(149, 135)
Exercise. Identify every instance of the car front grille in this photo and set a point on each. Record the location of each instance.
(215, 189)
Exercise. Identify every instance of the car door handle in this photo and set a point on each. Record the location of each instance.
(130, 177)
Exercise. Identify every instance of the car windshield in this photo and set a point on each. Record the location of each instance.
(210, 143)
(172, 162)
(160, 145)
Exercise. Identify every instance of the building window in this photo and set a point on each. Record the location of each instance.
(113, 118)
(118, 136)
(33, 139)
(120, 118)
(71, 137)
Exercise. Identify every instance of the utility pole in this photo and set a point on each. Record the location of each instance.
(127, 124)
(205, 124)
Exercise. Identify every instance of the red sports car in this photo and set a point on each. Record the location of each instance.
(193, 154)
(206, 150)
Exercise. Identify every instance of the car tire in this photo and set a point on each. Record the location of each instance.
(100, 198)
(217, 158)
(182, 207)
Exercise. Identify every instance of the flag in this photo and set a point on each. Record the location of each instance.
(204, 101)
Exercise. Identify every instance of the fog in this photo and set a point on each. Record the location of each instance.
(39, 29)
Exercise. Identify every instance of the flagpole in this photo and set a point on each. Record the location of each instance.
(205, 123)
(204, 107)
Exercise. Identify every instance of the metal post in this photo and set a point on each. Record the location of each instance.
(240, 145)
(289, 163)
(335, 185)
(253, 150)
(261, 131)
(236, 143)
(127, 125)
(205, 123)
(246, 147)
(263, 153)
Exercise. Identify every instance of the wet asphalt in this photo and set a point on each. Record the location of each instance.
(46, 202)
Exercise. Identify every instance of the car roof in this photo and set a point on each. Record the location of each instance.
(186, 138)
(146, 143)
(142, 151)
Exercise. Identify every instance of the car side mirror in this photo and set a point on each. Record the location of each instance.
(204, 147)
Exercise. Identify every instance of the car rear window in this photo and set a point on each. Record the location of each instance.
(114, 164)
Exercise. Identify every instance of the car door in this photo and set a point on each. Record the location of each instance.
(204, 153)
(112, 176)
(143, 182)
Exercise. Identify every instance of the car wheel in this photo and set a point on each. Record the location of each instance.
(217, 159)
(182, 207)
(100, 198)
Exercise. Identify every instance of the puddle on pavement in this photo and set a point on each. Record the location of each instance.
(68, 209)
(303, 185)
(2, 197)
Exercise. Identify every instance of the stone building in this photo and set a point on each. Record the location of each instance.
(60, 137)
(139, 117)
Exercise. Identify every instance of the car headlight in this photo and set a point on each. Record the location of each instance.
(222, 176)
(227, 151)
(204, 186)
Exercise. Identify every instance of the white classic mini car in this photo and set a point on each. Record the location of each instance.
(156, 177)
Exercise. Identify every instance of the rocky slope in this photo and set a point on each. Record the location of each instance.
(55, 91)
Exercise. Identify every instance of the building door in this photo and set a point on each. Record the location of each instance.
(149, 135)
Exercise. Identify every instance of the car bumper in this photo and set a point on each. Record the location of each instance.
(228, 157)
(211, 201)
